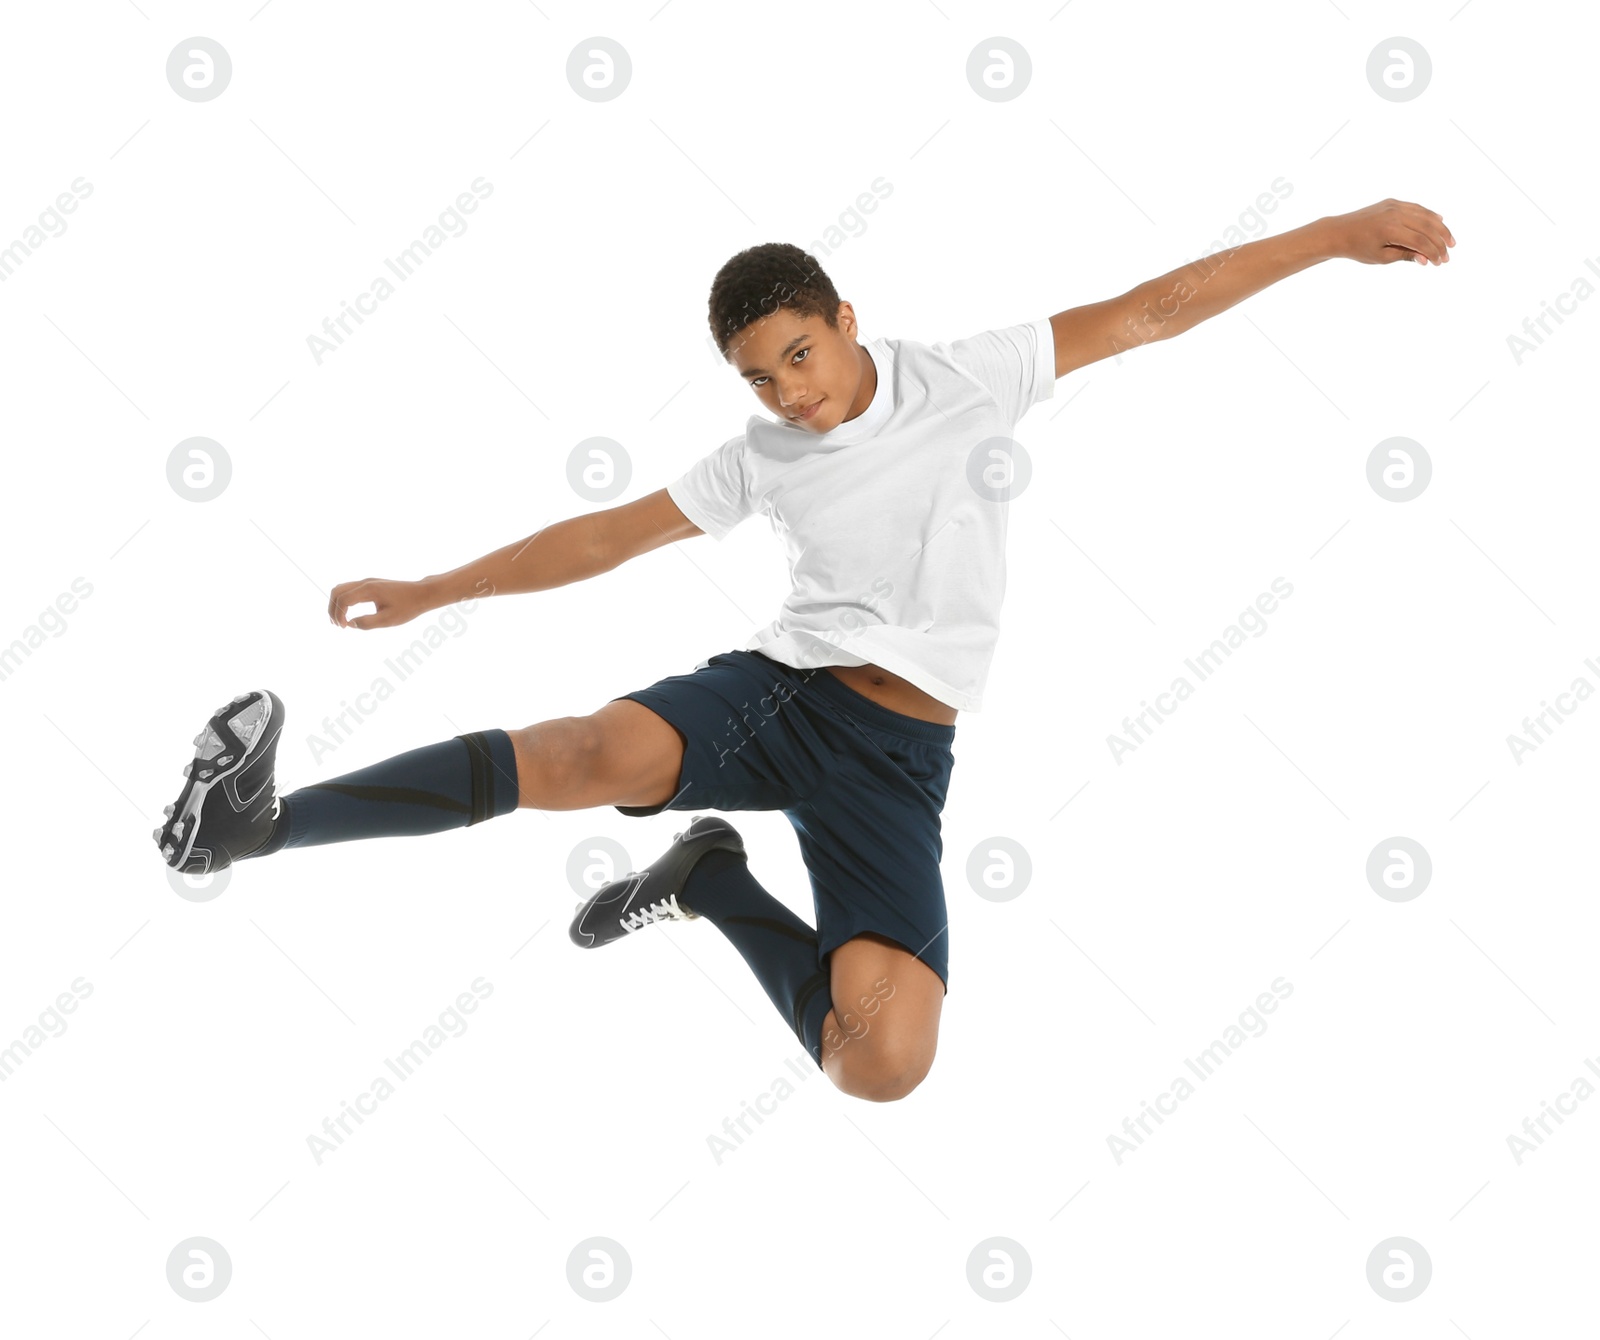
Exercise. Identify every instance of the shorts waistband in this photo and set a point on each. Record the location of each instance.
(858, 705)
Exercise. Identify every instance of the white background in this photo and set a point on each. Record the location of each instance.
(1169, 490)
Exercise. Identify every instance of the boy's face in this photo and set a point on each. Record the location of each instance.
(795, 363)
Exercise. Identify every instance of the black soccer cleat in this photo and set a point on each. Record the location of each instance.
(225, 809)
(642, 898)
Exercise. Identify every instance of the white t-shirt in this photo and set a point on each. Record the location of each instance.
(896, 543)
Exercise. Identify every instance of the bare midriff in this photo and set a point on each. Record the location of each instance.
(897, 694)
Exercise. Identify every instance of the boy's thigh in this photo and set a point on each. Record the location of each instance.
(873, 856)
(883, 932)
(740, 747)
(639, 758)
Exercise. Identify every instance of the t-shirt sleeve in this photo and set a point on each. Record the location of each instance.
(714, 492)
(1017, 364)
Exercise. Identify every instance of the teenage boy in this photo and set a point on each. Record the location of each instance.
(885, 470)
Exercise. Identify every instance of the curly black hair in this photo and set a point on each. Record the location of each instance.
(760, 280)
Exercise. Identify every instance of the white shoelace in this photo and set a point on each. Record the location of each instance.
(659, 910)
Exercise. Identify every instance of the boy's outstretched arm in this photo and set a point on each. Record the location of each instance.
(1166, 306)
(562, 553)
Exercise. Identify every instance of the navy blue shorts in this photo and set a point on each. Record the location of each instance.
(862, 785)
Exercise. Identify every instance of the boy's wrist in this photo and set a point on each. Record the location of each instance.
(438, 591)
(451, 588)
(1326, 237)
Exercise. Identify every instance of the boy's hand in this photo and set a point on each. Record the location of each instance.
(1391, 230)
(397, 602)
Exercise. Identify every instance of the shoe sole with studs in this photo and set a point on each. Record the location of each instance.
(232, 743)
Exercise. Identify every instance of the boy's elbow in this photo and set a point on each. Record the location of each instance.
(604, 546)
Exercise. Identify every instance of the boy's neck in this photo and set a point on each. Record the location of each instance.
(869, 384)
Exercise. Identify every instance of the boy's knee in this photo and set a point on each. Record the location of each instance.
(882, 1071)
(896, 1085)
(566, 752)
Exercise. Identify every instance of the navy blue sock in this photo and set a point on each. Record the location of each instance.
(453, 784)
(780, 948)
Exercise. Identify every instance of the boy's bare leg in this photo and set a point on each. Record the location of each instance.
(878, 1041)
(624, 754)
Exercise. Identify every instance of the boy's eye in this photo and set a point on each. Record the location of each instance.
(798, 355)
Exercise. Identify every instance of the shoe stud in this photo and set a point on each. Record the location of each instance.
(177, 829)
(225, 760)
(156, 836)
(204, 773)
(167, 851)
(169, 810)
